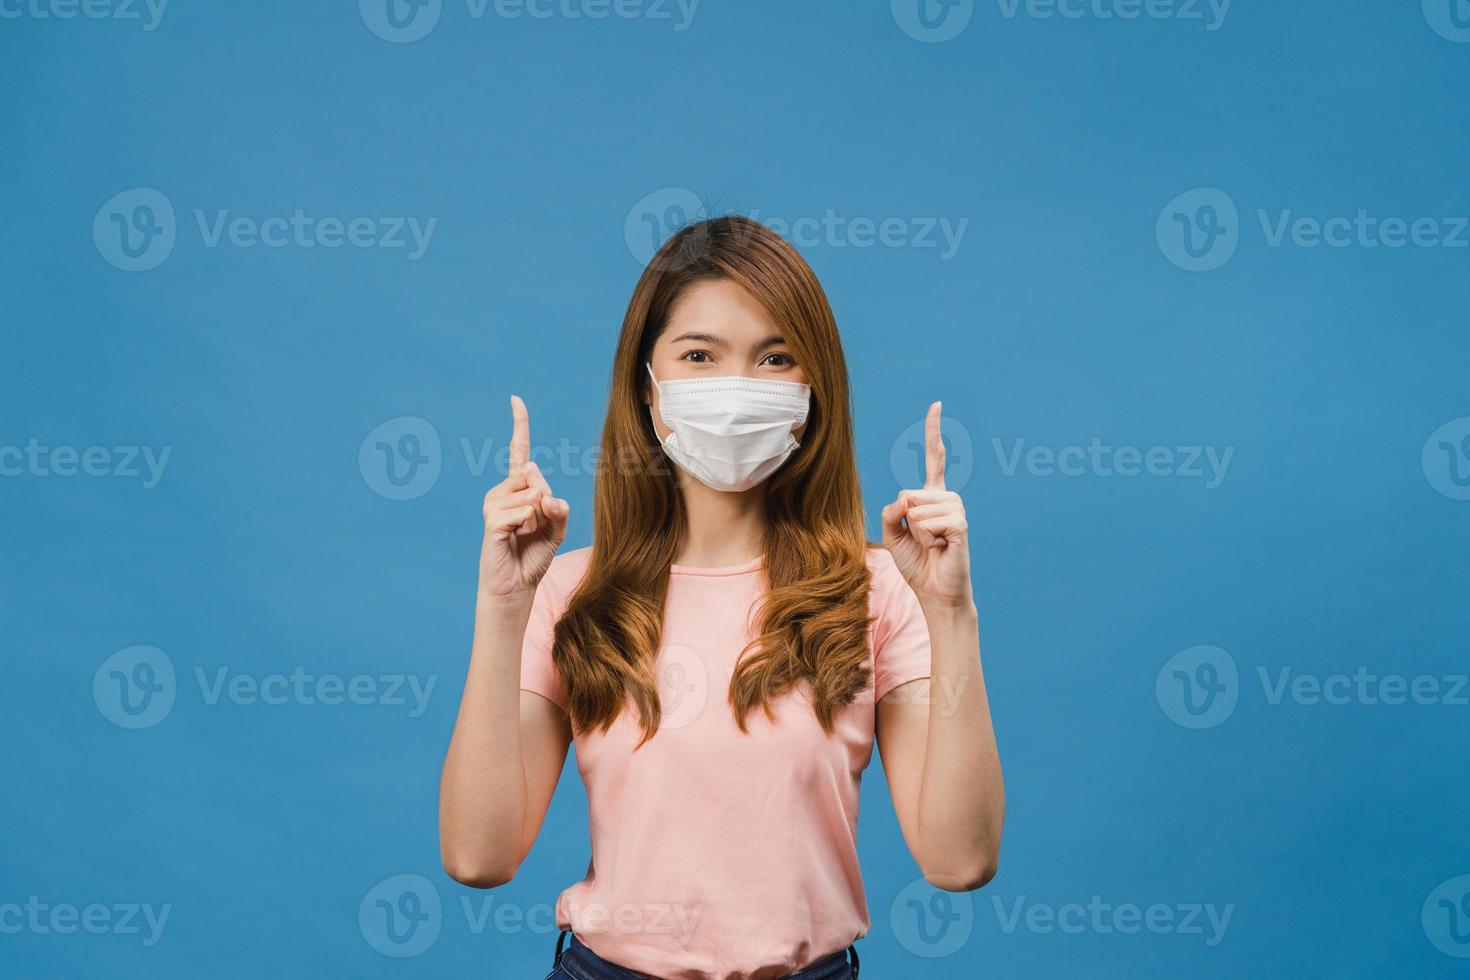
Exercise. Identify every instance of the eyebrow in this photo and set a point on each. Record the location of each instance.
(708, 338)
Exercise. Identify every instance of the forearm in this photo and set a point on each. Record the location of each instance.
(482, 792)
(962, 795)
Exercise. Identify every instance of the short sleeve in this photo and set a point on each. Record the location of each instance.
(901, 650)
(538, 672)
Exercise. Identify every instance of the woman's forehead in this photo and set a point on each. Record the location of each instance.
(721, 309)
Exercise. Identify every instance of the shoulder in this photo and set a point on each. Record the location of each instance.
(888, 582)
(569, 566)
(566, 570)
(884, 571)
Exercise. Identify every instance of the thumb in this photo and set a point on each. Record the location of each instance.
(893, 529)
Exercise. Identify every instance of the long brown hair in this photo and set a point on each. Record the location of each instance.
(813, 617)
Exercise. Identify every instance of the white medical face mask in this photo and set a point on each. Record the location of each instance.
(730, 433)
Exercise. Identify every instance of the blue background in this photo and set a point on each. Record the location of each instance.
(1060, 318)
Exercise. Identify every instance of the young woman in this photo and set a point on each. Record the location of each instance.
(725, 653)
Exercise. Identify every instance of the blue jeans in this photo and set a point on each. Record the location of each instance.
(578, 962)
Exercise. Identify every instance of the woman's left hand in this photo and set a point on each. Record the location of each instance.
(926, 532)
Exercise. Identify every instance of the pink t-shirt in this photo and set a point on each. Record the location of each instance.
(717, 853)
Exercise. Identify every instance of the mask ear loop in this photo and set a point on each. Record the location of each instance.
(648, 366)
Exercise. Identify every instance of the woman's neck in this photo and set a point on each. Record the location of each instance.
(723, 528)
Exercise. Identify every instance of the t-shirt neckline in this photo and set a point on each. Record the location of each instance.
(743, 568)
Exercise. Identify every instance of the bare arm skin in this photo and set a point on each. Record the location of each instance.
(509, 745)
(935, 735)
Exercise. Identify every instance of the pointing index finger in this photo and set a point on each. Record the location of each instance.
(520, 438)
(933, 449)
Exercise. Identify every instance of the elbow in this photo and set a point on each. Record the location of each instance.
(478, 873)
(967, 876)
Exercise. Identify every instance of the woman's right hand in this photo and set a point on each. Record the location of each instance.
(524, 523)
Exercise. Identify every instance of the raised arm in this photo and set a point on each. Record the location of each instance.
(508, 746)
(935, 735)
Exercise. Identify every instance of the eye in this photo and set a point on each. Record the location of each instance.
(779, 359)
(696, 357)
